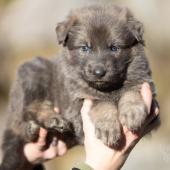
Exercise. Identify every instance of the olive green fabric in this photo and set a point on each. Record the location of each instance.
(82, 166)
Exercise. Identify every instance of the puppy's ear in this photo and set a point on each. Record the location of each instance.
(137, 29)
(134, 26)
(63, 28)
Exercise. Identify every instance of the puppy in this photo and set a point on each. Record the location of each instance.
(103, 59)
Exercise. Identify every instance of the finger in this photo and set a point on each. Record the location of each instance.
(87, 104)
(62, 148)
(54, 142)
(152, 122)
(42, 137)
(56, 109)
(50, 153)
(88, 126)
(154, 107)
(55, 150)
(157, 111)
(147, 95)
(129, 136)
(152, 116)
(130, 140)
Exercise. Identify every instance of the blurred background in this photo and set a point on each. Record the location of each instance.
(27, 29)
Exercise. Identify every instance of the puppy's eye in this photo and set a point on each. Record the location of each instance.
(85, 48)
(113, 48)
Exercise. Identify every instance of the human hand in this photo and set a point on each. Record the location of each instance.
(101, 157)
(34, 151)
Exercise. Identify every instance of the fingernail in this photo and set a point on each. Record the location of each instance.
(54, 142)
(125, 129)
(86, 105)
(156, 111)
(88, 102)
(146, 85)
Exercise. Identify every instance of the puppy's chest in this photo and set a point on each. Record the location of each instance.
(70, 99)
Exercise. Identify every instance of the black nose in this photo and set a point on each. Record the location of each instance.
(99, 72)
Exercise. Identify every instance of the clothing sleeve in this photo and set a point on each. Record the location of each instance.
(82, 166)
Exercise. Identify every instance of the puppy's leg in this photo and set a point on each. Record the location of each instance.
(132, 110)
(107, 126)
(31, 132)
(13, 157)
(46, 117)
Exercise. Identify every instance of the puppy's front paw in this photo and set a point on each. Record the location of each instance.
(132, 112)
(107, 126)
(32, 130)
(59, 124)
(109, 132)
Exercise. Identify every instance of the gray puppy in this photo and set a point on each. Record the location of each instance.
(103, 59)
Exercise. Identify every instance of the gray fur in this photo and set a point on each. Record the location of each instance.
(66, 80)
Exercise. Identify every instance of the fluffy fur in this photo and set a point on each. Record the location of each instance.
(103, 59)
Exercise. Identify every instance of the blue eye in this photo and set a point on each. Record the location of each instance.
(113, 48)
(85, 48)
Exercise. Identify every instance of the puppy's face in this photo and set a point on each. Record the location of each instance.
(100, 44)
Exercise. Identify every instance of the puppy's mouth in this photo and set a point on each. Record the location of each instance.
(101, 85)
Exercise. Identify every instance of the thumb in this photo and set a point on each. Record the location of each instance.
(42, 138)
(147, 95)
(87, 104)
(88, 127)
